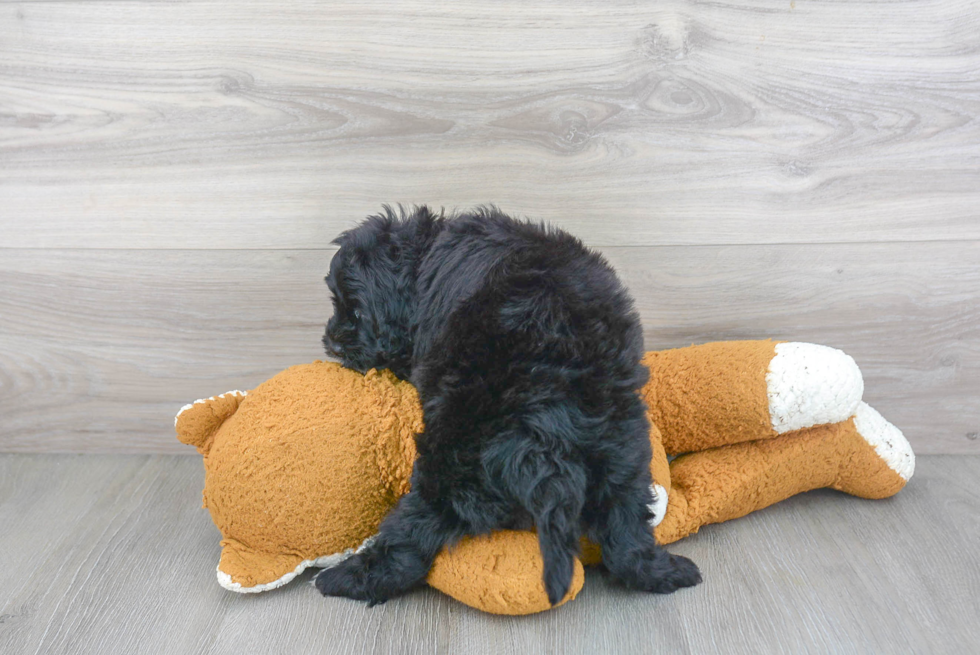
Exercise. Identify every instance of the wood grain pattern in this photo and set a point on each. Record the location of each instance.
(171, 175)
(98, 349)
(257, 125)
(113, 554)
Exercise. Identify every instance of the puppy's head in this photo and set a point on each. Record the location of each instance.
(372, 283)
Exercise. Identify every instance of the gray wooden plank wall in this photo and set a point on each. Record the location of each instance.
(171, 175)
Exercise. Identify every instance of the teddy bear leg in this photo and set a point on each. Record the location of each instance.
(864, 456)
(880, 460)
(734, 391)
(728, 482)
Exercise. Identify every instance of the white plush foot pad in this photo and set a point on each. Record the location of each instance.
(811, 385)
(659, 504)
(888, 441)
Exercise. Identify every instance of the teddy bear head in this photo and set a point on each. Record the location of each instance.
(301, 470)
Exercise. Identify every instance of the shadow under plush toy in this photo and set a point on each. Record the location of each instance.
(301, 470)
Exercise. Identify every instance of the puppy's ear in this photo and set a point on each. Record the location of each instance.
(344, 238)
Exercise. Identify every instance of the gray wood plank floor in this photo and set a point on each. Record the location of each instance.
(113, 554)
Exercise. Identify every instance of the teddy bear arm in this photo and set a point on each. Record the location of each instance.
(247, 570)
(500, 573)
(735, 391)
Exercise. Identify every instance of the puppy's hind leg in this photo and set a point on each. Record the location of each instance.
(398, 559)
(629, 550)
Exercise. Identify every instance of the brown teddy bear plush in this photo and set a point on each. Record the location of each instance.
(301, 470)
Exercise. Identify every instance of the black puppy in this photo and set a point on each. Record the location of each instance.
(525, 349)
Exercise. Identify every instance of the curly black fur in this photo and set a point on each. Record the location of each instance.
(525, 349)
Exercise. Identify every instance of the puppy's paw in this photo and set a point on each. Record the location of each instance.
(664, 574)
(680, 572)
(350, 579)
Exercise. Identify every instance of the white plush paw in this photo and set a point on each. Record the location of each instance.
(888, 441)
(659, 504)
(809, 385)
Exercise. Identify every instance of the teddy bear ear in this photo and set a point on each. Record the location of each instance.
(245, 570)
(197, 423)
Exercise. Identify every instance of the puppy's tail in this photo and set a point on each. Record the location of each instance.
(558, 538)
(552, 490)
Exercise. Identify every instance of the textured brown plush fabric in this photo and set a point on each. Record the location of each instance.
(727, 378)
(308, 463)
(501, 575)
